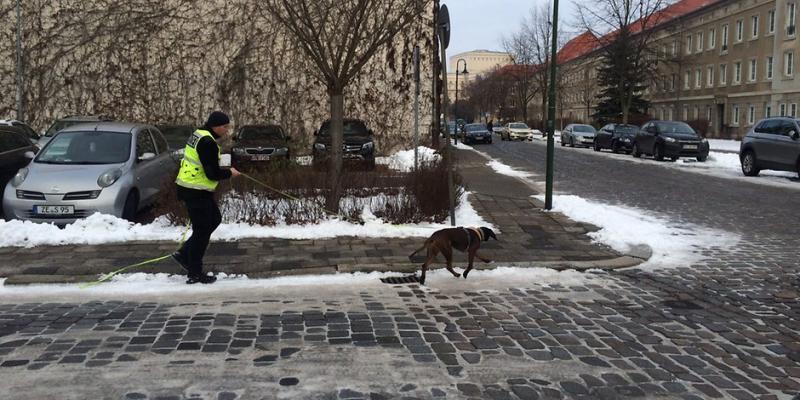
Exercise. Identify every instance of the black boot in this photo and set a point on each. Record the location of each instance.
(181, 260)
(204, 279)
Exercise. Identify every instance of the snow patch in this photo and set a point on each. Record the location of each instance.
(673, 243)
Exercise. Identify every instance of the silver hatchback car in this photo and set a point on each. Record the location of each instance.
(112, 168)
(773, 143)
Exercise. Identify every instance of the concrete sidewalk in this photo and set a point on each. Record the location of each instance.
(529, 237)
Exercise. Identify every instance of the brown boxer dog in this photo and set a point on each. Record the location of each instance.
(445, 240)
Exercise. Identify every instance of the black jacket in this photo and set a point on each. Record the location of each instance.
(208, 150)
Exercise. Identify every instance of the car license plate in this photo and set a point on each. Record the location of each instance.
(54, 210)
(690, 147)
(261, 157)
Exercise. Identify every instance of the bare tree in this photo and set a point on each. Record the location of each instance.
(625, 34)
(339, 37)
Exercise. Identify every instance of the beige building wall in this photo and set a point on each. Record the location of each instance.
(731, 64)
(478, 62)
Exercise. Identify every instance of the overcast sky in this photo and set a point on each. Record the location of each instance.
(481, 24)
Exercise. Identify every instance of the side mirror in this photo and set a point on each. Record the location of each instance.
(29, 155)
(147, 156)
(794, 135)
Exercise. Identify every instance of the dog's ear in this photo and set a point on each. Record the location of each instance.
(488, 233)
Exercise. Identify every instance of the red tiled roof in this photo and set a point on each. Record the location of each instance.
(586, 42)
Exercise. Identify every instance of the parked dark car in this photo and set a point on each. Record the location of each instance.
(358, 145)
(669, 139)
(68, 121)
(476, 133)
(773, 143)
(16, 151)
(259, 144)
(29, 132)
(617, 137)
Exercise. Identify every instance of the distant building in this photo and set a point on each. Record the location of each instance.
(478, 62)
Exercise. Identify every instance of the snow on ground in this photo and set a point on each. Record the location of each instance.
(504, 169)
(101, 228)
(674, 243)
(724, 145)
(404, 160)
(170, 286)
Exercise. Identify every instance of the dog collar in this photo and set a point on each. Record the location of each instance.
(477, 232)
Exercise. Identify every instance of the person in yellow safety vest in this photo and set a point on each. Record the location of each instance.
(197, 179)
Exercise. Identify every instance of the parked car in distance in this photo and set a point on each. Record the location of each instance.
(516, 131)
(772, 143)
(578, 135)
(475, 133)
(16, 151)
(259, 144)
(359, 145)
(68, 121)
(617, 137)
(114, 168)
(669, 139)
(26, 129)
(177, 136)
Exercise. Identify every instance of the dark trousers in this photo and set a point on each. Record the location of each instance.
(205, 216)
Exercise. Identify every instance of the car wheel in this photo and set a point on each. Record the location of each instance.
(562, 143)
(702, 158)
(571, 141)
(131, 206)
(635, 152)
(658, 153)
(490, 141)
(615, 147)
(596, 147)
(750, 164)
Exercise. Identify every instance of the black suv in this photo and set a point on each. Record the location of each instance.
(260, 143)
(358, 143)
(29, 132)
(16, 151)
(617, 137)
(669, 139)
(773, 143)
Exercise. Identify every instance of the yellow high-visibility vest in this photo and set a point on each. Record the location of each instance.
(191, 175)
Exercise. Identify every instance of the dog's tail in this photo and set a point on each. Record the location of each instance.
(424, 246)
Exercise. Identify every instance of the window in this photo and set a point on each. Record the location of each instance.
(12, 140)
(710, 76)
(699, 40)
(662, 114)
(754, 26)
(788, 64)
(685, 113)
(712, 38)
(768, 111)
(725, 37)
(751, 115)
(723, 72)
(790, 17)
(696, 112)
(670, 114)
(793, 110)
(672, 84)
(769, 67)
(689, 44)
(752, 70)
(698, 78)
(783, 110)
(708, 115)
(674, 49)
(737, 72)
(735, 115)
(771, 21)
(666, 83)
(739, 30)
(161, 143)
(686, 78)
(768, 126)
(144, 144)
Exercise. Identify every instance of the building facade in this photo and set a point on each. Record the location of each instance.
(722, 64)
(478, 62)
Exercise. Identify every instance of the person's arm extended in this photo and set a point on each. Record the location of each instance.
(209, 156)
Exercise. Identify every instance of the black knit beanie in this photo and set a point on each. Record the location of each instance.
(217, 118)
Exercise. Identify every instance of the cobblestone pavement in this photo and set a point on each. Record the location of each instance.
(723, 327)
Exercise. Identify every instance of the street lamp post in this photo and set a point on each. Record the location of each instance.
(20, 112)
(455, 108)
(551, 113)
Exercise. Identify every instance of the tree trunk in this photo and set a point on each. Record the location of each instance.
(337, 141)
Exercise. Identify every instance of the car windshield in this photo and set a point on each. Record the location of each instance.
(675, 127)
(518, 126)
(583, 128)
(59, 125)
(626, 129)
(87, 148)
(351, 128)
(261, 132)
(475, 128)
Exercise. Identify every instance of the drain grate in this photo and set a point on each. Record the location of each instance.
(400, 280)
(682, 305)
